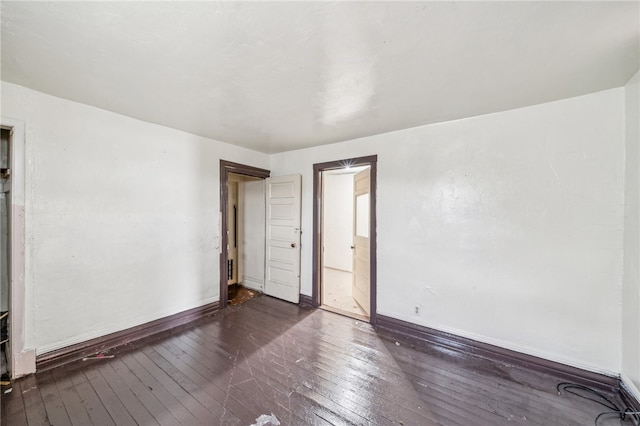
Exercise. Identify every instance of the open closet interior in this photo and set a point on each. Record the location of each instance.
(246, 237)
(5, 202)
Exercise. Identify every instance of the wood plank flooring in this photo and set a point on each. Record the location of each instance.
(307, 367)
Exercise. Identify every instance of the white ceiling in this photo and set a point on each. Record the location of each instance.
(280, 76)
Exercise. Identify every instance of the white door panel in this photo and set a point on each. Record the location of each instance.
(282, 275)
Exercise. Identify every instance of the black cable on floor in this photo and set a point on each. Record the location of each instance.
(623, 415)
(585, 392)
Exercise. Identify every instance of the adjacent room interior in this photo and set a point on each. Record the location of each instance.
(436, 202)
(345, 232)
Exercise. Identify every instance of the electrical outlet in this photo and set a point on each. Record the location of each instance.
(417, 310)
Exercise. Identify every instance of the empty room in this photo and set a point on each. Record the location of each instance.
(320, 213)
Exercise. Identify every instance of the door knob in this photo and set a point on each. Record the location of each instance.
(352, 247)
(293, 245)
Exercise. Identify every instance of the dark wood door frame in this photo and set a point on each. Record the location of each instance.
(227, 167)
(317, 226)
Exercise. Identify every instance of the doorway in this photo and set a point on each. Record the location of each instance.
(20, 360)
(344, 249)
(233, 180)
(245, 237)
(341, 291)
(277, 269)
(5, 246)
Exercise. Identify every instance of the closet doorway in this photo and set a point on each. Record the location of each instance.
(344, 279)
(18, 361)
(242, 257)
(245, 237)
(259, 232)
(5, 257)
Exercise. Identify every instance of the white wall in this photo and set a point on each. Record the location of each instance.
(631, 283)
(338, 220)
(506, 228)
(121, 218)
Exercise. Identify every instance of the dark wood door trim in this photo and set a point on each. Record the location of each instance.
(227, 167)
(318, 168)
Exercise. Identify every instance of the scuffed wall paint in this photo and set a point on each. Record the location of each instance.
(631, 283)
(121, 218)
(506, 228)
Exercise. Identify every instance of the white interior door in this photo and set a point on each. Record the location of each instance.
(361, 287)
(282, 278)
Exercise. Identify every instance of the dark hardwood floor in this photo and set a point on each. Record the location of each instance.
(307, 367)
